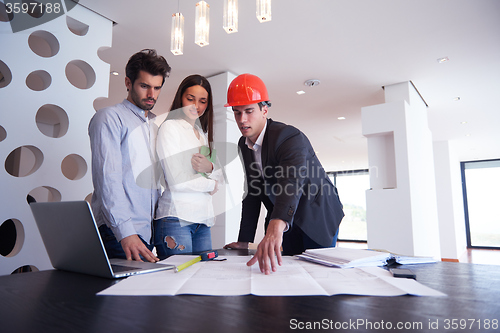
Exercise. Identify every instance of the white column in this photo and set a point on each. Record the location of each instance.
(450, 201)
(227, 201)
(401, 204)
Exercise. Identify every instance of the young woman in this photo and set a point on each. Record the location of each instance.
(184, 145)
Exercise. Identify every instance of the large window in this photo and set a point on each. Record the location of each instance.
(481, 187)
(352, 186)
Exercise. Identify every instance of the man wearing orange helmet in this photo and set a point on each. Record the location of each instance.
(284, 173)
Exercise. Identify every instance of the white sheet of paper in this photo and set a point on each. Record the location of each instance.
(294, 278)
(373, 281)
(291, 279)
(220, 278)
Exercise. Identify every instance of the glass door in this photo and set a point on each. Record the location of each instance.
(352, 186)
(481, 188)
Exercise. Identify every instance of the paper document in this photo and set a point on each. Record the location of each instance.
(348, 258)
(294, 278)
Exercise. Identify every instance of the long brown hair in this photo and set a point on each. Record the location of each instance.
(207, 118)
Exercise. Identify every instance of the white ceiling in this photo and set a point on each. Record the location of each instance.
(354, 47)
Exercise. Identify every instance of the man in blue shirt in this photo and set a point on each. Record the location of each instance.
(124, 174)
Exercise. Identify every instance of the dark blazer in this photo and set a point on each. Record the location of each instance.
(293, 186)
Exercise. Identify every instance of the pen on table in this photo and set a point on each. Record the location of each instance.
(203, 257)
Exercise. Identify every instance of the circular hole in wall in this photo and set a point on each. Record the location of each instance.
(74, 167)
(43, 43)
(77, 27)
(5, 75)
(80, 74)
(88, 198)
(4, 17)
(100, 102)
(30, 199)
(38, 80)
(52, 121)
(23, 161)
(45, 194)
(3, 133)
(25, 269)
(11, 237)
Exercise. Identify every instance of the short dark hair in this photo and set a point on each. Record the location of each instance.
(147, 60)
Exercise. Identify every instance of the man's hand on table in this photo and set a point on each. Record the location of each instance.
(236, 246)
(134, 248)
(269, 249)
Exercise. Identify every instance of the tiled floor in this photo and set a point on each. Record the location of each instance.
(474, 256)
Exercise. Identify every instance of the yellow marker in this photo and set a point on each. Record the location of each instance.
(187, 264)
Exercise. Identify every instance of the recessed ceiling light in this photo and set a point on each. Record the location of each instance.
(443, 59)
(301, 92)
(341, 118)
(467, 135)
(463, 122)
(312, 83)
(115, 73)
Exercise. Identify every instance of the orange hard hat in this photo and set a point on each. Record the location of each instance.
(246, 89)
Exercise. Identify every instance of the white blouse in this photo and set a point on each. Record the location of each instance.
(187, 193)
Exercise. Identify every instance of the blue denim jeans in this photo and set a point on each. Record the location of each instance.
(113, 247)
(171, 238)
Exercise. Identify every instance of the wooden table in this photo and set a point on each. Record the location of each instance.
(57, 301)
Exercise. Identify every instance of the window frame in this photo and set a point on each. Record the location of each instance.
(466, 205)
(334, 174)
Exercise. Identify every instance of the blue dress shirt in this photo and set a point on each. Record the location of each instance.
(124, 169)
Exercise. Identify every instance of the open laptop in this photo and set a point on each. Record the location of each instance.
(73, 242)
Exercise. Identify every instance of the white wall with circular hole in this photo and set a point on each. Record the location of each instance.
(77, 27)
(5, 75)
(11, 237)
(74, 167)
(80, 74)
(38, 80)
(52, 120)
(46, 108)
(45, 194)
(23, 161)
(3, 133)
(43, 43)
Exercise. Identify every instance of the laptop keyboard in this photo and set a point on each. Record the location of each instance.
(120, 268)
